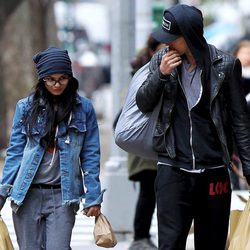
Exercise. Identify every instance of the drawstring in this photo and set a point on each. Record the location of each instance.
(54, 149)
(67, 141)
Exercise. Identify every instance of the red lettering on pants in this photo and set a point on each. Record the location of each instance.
(218, 188)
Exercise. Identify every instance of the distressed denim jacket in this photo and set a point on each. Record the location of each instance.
(79, 153)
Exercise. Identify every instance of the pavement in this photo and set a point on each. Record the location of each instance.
(82, 237)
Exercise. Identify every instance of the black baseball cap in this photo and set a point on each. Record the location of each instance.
(169, 30)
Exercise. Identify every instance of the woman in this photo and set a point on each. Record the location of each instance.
(242, 52)
(54, 150)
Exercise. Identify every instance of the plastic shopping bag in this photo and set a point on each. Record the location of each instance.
(240, 234)
(103, 232)
(5, 241)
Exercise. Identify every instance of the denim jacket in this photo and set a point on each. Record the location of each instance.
(79, 153)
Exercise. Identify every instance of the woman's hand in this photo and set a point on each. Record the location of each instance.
(92, 211)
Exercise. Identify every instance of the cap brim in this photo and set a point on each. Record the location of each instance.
(164, 37)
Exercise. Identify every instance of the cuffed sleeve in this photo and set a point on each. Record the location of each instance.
(97, 201)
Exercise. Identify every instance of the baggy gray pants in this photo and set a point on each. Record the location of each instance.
(42, 222)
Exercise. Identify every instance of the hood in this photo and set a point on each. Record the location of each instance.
(190, 23)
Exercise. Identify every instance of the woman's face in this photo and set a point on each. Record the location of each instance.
(56, 83)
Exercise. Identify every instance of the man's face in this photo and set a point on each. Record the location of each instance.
(179, 45)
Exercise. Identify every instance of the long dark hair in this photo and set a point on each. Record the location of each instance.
(54, 109)
(145, 54)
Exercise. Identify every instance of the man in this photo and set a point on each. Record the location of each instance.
(203, 105)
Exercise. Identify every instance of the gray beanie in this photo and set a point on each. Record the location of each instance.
(52, 61)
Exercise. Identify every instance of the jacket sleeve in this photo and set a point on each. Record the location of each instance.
(148, 95)
(90, 160)
(14, 153)
(240, 117)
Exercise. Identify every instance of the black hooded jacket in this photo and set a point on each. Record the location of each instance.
(204, 137)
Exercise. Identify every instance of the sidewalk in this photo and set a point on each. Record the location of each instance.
(82, 237)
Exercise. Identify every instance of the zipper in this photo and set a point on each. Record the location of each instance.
(168, 149)
(190, 121)
(191, 126)
(191, 139)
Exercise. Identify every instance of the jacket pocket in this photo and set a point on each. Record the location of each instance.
(159, 139)
(34, 132)
(77, 133)
(163, 141)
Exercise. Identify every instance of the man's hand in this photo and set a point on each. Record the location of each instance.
(169, 62)
(92, 211)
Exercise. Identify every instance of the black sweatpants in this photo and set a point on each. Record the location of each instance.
(183, 197)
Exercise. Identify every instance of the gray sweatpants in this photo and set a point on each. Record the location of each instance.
(42, 223)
